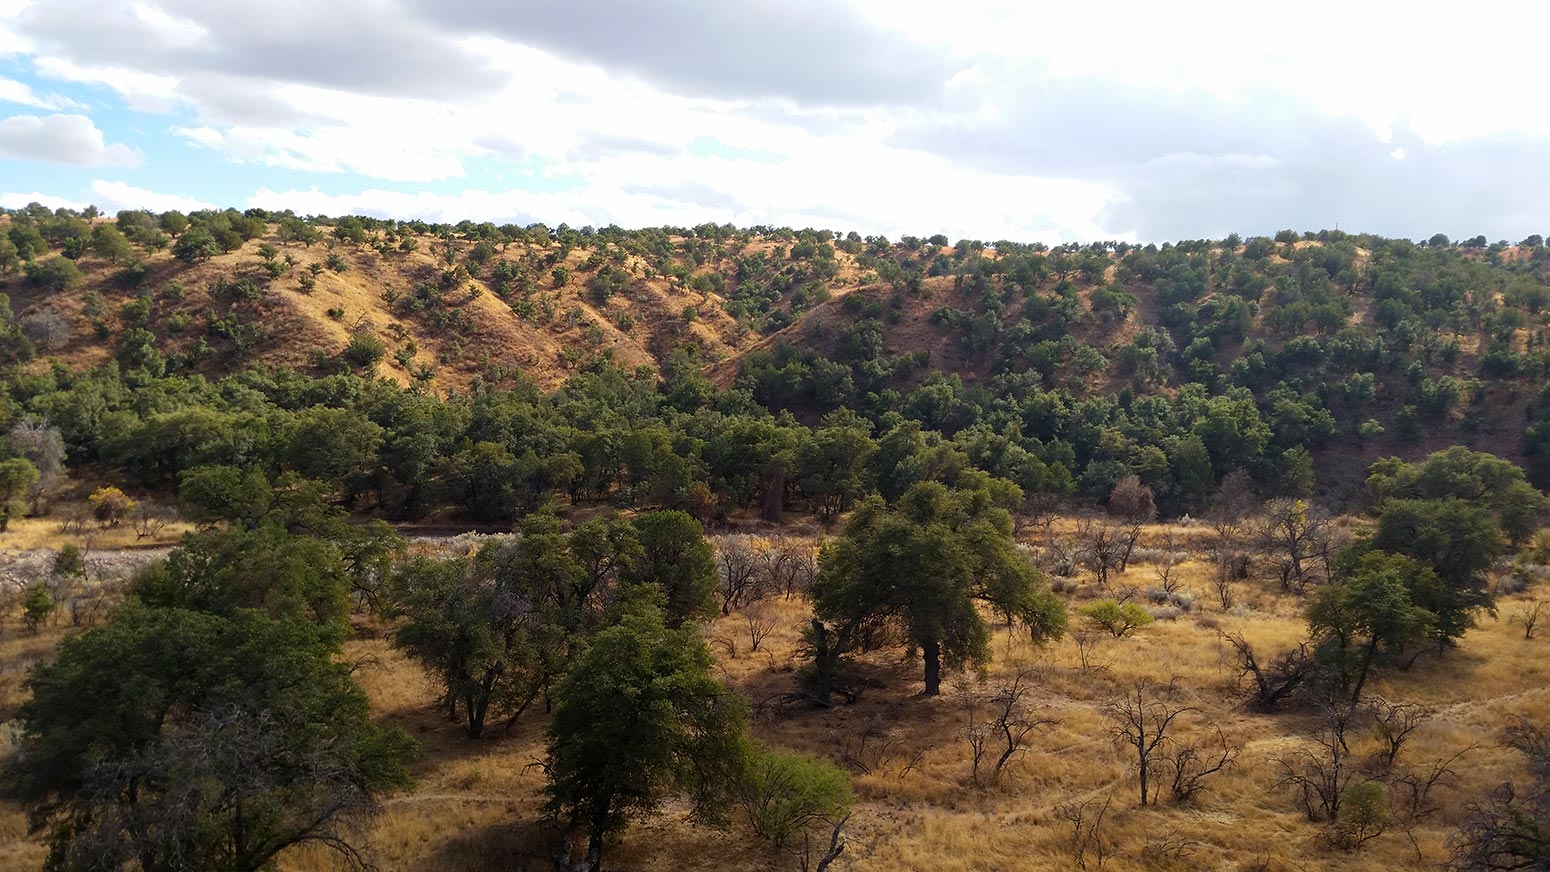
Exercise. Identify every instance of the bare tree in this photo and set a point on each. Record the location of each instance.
(1087, 643)
(1140, 720)
(1005, 733)
(837, 845)
(777, 563)
(1411, 795)
(1166, 567)
(1319, 776)
(738, 579)
(1222, 585)
(1040, 511)
(1297, 539)
(1272, 684)
(1102, 548)
(150, 520)
(1132, 503)
(1529, 616)
(1393, 724)
(47, 328)
(45, 448)
(803, 568)
(1228, 518)
(1192, 763)
(758, 626)
(1088, 843)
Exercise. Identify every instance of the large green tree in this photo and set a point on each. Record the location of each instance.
(638, 717)
(1481, 479)
(675, 557)
(1370, 612)
(1456, 540)
(920, 573)
(174, 739)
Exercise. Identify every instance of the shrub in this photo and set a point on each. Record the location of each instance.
(37, 607)
(1120, 620)
(111, 505)
(365, 349)
(784, 793)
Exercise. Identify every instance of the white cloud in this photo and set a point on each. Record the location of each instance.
(66, 139)
(12, 91)
(1000, 119)
(113, 196)
(17, 201)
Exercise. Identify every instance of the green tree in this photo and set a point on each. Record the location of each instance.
(173, 222)
(637, 717)
(195, 245)
(785, 794)
(172, 739)
(37, 606)
(110, 245)
(1458, 542)
(209, 494)
(265, 569)
(1118, 619)
(917, 573)
(1476, 477)
(1371, 612)
(676, 559)
(334, 445)
(500, 628)
(17, 475)
(832, 465)
(55, 274)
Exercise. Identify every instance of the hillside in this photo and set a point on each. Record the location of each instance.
(1351, 347)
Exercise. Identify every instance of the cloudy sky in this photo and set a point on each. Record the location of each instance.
(992, 119)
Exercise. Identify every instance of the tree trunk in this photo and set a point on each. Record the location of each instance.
(772, 496)
(1361, 676)
(932, 651)
(823, 663)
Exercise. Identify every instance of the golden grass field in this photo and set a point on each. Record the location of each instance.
(476, 803)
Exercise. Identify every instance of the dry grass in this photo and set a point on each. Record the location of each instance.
(477, 803)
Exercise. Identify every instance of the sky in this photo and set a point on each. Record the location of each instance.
(985, 119)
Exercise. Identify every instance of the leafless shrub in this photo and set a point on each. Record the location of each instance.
(1090, 847)
(1274, 683)
(1528, 617)
(150, 520)
(1298, 539)
(1165, 565)
(1087, 643)
(1318, 776)
(1393, 724)
(738, 579)
(1062, 557)
(1101, 548)
(47, 329)
(873, 750)
(1003, 733)
(1192, 763)
(1410, 795)
(758, 626)
(1168, 849)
